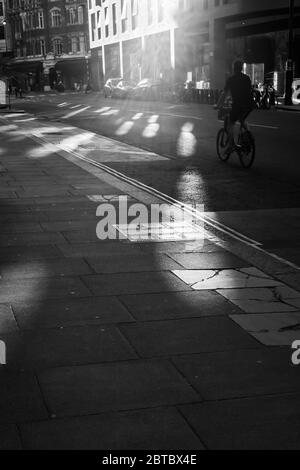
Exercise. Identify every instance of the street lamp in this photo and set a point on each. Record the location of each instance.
(289, 75)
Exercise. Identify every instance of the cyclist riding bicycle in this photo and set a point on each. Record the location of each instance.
(239, 87)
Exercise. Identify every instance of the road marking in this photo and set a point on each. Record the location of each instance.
(263, 126)
(73, 113)
(76, 106)
(198, 118)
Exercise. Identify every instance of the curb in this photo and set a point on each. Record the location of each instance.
(295, 109)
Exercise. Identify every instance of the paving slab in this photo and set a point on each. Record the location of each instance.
(134, 283)
(64, 205)
(262, 423)
(9, 438)
(29, 253)
(244, 373)
(34, 238)
(91, 250)
(216, 260)
(51, 288)
(63, 215)
(8, 195)
(69, 312)
(44, 269)
(41, 349)
(152, 429)
(291, 279)
(263, 300)
(168, 306)
(36, 192)
(68, 226)
(21, 228)
(84, 236)
(25, 217)
(126, 264)
(226, 278)
(180, 247)
(7, 319)
(92, 389)
(271, 329)
(21, 399)
(176, 337)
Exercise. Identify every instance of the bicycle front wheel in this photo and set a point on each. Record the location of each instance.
(222, 142)
(247, 149)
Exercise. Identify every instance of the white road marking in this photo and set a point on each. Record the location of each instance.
(73, 113)
(198, 118)
(263, 126)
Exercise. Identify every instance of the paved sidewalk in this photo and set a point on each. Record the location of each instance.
(123, 345)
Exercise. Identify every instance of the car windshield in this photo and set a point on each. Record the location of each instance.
(144, 82)
(122, 83)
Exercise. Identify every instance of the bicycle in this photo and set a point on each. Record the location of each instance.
(245, 147)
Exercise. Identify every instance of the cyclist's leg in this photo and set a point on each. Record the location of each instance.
(243, 119)
(230, 129)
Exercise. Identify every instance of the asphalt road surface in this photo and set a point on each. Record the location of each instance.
(262, 203)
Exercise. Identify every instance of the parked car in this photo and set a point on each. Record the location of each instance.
(123, 89)
(148, 90)
(110, 86)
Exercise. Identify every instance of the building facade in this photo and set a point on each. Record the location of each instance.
(3, 31)
(194, 39)
(257, 31)
(49, 41)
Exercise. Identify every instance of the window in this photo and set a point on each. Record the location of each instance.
(56, 18)
(57, 46)
(82, 44)
(114, 14)
(75, 44)
(40, 20)
(124, 15)
(93, 25)
(134, 12)
(72, 16)
(80, 15)
(41, 47)
(150, 12)
(106, 15)
(99, 25)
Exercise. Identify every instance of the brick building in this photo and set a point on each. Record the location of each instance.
(3, 44)
(49, 41)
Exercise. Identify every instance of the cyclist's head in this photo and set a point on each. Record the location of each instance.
(238, 66)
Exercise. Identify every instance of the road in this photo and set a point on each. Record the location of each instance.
(262, 203)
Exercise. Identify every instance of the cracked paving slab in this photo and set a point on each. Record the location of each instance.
(226, 278)
(275, 329)
(263, 300)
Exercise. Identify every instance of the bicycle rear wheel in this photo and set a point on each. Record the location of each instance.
(222, 142)
(247, 149)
